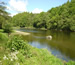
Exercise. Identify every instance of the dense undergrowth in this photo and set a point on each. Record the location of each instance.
(19, 52)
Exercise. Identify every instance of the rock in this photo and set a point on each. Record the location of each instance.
(49, 37)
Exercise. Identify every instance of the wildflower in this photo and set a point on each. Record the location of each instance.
(13, 49)
(11, 59)
(17, 64)
(5, 57)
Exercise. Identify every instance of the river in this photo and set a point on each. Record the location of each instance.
(62, 44)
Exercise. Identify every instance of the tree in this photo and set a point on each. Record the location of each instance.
(7, 27)
(58, 18)
(2, 19)
(3, 14)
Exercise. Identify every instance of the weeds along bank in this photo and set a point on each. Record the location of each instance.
(19, 52)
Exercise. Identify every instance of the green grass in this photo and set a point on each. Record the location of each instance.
(1, 30)
(42, 57)
(3, 36)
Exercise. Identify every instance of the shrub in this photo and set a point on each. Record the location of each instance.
(70, 63)
(16, 43)
(7, 27)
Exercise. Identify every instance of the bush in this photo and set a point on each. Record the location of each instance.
(70, 63)
(7, 27)
(16, 43)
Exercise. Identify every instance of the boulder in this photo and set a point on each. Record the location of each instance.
(49, 37)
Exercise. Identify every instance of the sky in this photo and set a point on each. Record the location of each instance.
(35, 6)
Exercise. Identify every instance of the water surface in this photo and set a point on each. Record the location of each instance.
(62, 44)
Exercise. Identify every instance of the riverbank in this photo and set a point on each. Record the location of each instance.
(19, 52)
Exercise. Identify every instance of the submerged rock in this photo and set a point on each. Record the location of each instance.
(49, 37)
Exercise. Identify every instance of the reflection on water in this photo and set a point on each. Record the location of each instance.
(62, 44)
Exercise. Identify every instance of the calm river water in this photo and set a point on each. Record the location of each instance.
(62, 44)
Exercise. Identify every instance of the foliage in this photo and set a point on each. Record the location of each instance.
(3, 37)
(16, 43)
(3, 14)
(70, 63)
(1, 30)
(7, 27)
(58, 18)
(24, 19)
(1, 21)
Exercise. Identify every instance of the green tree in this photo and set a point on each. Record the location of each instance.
(7, 27)
(3, 14)
(58, 18)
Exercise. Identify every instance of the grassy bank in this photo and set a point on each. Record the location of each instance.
(19, 52)
(1, 30)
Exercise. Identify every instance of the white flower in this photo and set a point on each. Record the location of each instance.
(13, 49)
(17, 64)
(12, 55)
(11, 59)
(5, 57)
